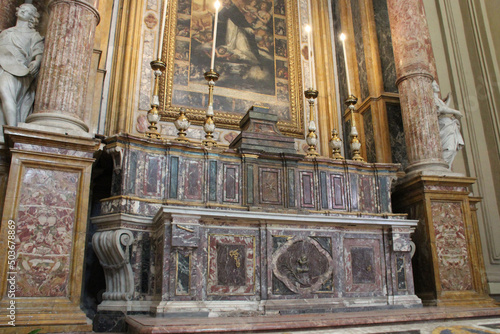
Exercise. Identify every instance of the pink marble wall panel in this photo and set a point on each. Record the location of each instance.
(45, 220)
(451, 246)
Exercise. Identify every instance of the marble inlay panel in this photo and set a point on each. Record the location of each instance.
(397, 134)
(385, 45)
(231, 265)
(366, 194)
(360, 49)
(291, 188)
(401, 272)
(324, 191)
(303, 265)
(270, 185)
(45, 221)
(231, 183)
(371, 154)
(362, 265)
(451, 246)
(250, 187)
(307, 189)
(338, 198)
(212, 183)
(194, 179)
(174, 177)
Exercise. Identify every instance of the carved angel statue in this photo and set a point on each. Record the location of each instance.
(449, 126)
(21, 49)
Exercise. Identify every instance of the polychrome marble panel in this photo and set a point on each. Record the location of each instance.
(303, 265)
(45, 221)
(231, 183)
(367, 194)
(451, 246)
(231, 265)
(270, 185)
(193, 188)
(338, 197)
(307, 189)
(363, 271)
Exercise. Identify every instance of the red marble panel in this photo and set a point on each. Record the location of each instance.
(338, 196)
(366, 194)
(363, 271)
(270, 185)
(451, 246)
(193, 180)
(237, 265)
(231, 183)
(45, 222)
(307, 189)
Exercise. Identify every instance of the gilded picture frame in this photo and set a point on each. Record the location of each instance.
(258, 59)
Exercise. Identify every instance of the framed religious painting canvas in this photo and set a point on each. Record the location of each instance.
(257, 56)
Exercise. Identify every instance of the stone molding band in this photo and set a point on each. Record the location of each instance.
(113, 250)
(414, 74)
(82, 3)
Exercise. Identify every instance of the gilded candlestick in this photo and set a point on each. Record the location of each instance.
(182, 124)
(355, 143)
(154, 114)
(209, 126)
(311, 138)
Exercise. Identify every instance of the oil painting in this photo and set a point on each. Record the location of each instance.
(256, 56)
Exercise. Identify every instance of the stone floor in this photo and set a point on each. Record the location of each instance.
(432, 320)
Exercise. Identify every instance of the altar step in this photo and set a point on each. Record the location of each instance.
(482, 320)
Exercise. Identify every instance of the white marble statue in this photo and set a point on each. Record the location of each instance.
(449, 127)
(21, 49)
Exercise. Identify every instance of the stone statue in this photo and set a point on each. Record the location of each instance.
(449, 126)
(21, 49)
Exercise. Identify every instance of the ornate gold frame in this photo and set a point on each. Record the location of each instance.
(294, 127)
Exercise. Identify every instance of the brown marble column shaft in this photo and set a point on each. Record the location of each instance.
(414, 68)
(7, 13)
(62, 84)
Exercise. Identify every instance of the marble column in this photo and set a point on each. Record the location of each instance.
(413, 57)
(62, 84)
(7, 14)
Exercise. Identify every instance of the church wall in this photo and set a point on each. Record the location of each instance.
(464, 45)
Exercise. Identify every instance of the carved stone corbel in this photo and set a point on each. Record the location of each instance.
(112, 249)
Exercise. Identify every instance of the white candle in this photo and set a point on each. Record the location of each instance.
(162, 29)
(216, 5)
(342, 38)
(309, 47)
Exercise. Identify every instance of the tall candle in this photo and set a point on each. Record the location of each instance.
(217, 5)
(309, 47)
(342, 38)
(162, 29)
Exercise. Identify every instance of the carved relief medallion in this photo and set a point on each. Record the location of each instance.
(302, 265)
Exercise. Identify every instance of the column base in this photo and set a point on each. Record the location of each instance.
(448, 264)
(57, 120)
